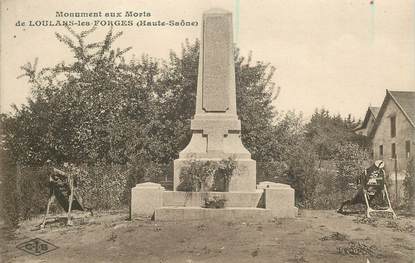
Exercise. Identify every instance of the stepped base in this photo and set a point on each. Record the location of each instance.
(267, 201)
(196, 199)
(248, 214)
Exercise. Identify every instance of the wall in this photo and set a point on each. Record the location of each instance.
(404, 131)
(370, 124)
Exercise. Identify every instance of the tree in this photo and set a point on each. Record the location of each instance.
(255, 95)
(302, 172)
(100, 108)
(325, 131)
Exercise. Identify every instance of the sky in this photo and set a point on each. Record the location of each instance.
(341, 55)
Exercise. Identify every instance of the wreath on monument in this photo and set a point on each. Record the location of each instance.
(205, 176)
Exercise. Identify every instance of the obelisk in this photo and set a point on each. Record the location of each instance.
(216, 129)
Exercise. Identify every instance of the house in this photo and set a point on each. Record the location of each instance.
(368, 122)
(393, 133)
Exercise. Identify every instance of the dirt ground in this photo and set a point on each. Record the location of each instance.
(315, 236)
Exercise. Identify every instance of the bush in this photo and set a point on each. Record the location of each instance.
(8, 191)
(302, 173)
(350, 161)
(24, 192)
(334, 180)
(298, 169)
(330, 184)
(326, 194)
(108, 186)
(32, 189)
(102, 186)
(275, 171)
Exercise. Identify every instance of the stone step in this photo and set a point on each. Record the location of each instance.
(197, 199)
(242, 214)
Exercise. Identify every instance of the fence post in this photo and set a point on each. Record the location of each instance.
(396, 181)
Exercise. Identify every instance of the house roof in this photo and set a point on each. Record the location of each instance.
(374, 111)
(405, 100)
(371, 111)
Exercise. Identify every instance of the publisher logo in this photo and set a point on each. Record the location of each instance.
(36, 246)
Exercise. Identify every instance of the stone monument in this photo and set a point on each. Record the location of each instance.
(216, 129)
(216, 135)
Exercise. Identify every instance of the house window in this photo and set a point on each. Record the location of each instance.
(408, 148)
(381, 151)
(393, 126)
(393, 150)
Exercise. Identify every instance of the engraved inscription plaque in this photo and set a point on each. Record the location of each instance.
(217, 46)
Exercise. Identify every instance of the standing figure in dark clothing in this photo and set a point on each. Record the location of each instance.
(371, 186)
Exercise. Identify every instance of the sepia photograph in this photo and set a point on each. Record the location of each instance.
(207, 131)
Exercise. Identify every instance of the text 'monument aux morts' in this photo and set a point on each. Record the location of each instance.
(100, 18)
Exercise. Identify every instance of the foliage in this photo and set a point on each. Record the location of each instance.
(255, 95)
(318, 183)
(271, 171)
(299, 158)
(287, 134)
(334, 181)
(357, 248)
(327, 195)
(94, 109)
(350, 161)
(332, 140)
(302, 172)
(326, 131)
(101, 186)
(32, 188)
(24, 192)
(291, 159)
(8, 193)
(215, 202)
(409, 185)
(207, 175)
